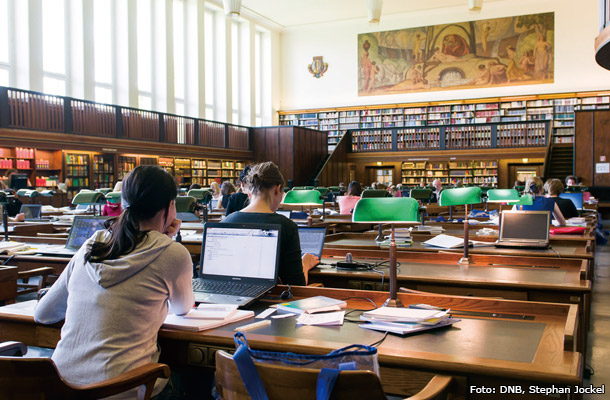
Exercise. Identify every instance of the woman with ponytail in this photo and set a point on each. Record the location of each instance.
(265, 184)
(535, 188)
(117, 290)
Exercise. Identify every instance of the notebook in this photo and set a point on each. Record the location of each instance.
(524, 229)
(239, 263)
(31, 211)
(312, 240)
(82, 228)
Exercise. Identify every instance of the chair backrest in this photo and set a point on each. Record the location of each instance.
(299, 383)
(185, 204)
(422, 194)
(374, 193)
(38, 378)
(306, 197)
(283, 382)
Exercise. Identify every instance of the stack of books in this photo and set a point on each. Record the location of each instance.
(318, 310)
(402, 237)
(207, 316)
(405, 320)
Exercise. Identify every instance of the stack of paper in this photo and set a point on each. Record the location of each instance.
(202, 319)
(454, 242)
(433, 229)
(325, 319)
(405, 320)
(11, 248)
(312, 305)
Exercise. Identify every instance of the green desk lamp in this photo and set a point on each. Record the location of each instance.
(509, 196)
(304, 198)
(89, 198)
(203, 196)
(388, 210)
(27, 193)
(113, 197)
(104, 191)
(458, 197)
(322, 190)
(525, 200)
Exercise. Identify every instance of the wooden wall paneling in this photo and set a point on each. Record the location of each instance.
(601, 145)
(258, 144)
(272, 145)
(583, 146)
(286, 157)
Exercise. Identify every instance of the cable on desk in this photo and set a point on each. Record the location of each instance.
(382, 275)
(556, 252)
(377, 343)
(358, 309)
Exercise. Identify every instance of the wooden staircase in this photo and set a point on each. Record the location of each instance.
(560, 161)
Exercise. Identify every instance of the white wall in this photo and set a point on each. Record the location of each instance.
(576, 26)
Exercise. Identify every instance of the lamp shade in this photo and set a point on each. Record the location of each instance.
(386, 210)
(502, 196)
(322, 190)
(88, 198)
(185, 204)
(525, 200)
(113, 197)
(202, 195)
(104, 191)
(232, 7)
(303, 198)
(460, 196)
(27, 193)
(420, 194)
(374, 193)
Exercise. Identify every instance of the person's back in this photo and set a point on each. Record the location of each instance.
(114, 292)
(347, 204)
(567, 207)
(540, 203)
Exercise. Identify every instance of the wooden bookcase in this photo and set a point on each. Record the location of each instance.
(557, 108)
(449, 172)
(77, 172)
(103, 171)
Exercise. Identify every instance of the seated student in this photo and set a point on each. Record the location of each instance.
(554, 188)
(265, 184)
(195, 186)
(535, 188)
(348, 202)
(117, 290)
(571, 180)
(239, 200)
(438, 188)
(215, 188)
(112, 208)
(226, 190)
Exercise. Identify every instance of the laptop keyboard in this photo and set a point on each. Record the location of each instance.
(230, 288)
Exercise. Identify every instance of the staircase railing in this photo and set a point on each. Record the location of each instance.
(328, 177)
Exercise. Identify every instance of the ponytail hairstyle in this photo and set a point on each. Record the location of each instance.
(534, 186)
(262, 177)
(146, 190)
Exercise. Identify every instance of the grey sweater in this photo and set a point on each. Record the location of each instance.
(113, 309)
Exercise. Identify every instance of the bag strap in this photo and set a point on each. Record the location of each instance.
(326, 382)
(249, 375)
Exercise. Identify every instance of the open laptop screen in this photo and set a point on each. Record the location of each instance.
(525, 225)
(312, 240)
(82, 229)
(576, 198)
(240, 251)
(31, 211)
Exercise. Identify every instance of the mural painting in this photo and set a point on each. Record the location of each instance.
(465, 55)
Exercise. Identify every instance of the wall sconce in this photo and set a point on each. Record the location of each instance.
(232, 7)
(378, 162)
(373, 10)
(525, 160)
(475, 5)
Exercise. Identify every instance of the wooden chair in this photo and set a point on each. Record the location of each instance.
(300, 383)
(25, 287)
(38, 378)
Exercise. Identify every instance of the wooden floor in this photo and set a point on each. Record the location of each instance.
(599, 334)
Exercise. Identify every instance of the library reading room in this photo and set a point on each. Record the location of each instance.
(290, 199)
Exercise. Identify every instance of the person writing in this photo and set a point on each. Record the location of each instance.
(534, 187)
(348, 202)
(115, 293)
(438, 188)
(239, 200)
(265, 184)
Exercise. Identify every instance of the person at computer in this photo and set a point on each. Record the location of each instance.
(226, 190)
(348, 202)
(535, 188)
(239, 200)
(554, 188)
(438, 188)
(115, 293)
(265, 184)
(571, 180)
(215, 188)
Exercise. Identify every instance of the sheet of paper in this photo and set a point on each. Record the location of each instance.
(326, 319)
(266, 313)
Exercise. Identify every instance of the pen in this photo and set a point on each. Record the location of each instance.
(254, 325)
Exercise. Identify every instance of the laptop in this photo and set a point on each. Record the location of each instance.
(524, 229)
(82, 228)
(214, 204)
(32, 212)
(239, 263)
(312, 240)
(577, 199)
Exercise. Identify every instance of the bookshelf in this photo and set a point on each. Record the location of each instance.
(167, 163)
(103, 171)
(77, 172)
(48, 168)
(125, 164)
(199, 171)
(43, 167)
(450, 172)
(183, 171)
(557, 108)
(452, 137)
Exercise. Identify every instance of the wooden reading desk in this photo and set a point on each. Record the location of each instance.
(498, 342)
